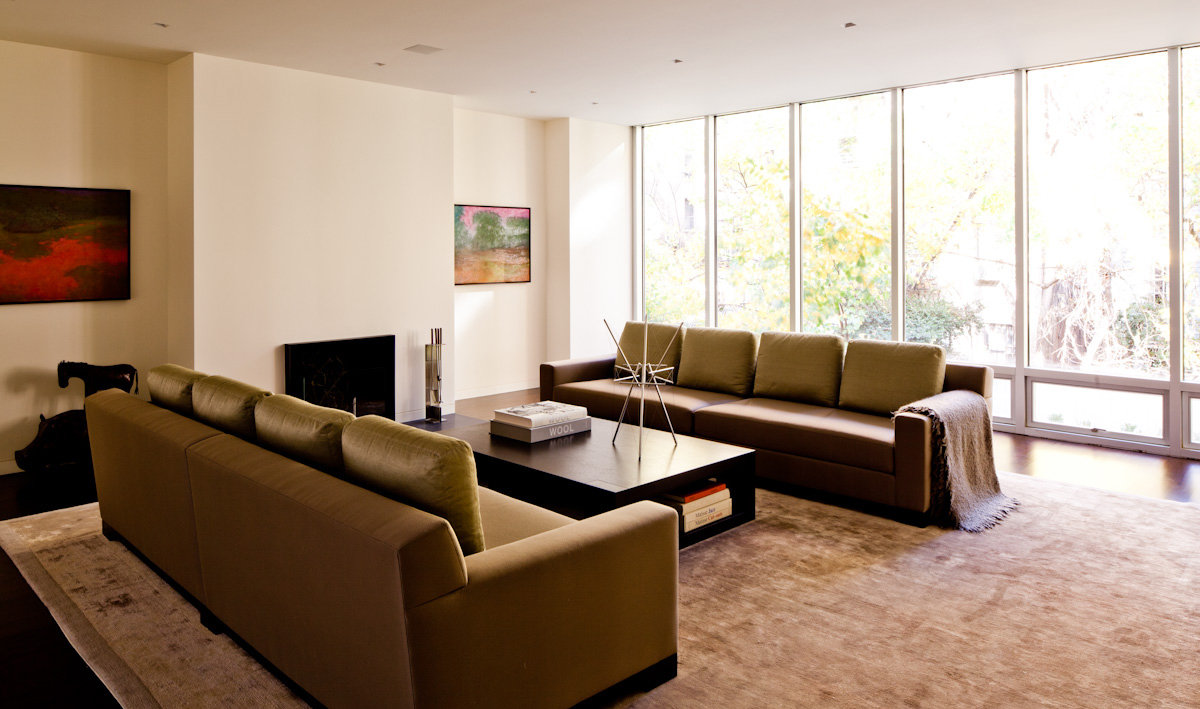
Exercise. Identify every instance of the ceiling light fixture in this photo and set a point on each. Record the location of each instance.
(422, 49)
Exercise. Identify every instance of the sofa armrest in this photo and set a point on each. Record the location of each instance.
(565, 371)
(974, 377)
(911, 464)
(553, 618)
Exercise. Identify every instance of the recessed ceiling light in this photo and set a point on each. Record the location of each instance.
(161, 24)
(848, 25)
(423, 49)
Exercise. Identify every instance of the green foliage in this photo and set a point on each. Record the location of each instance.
(930, 318)
(1141, 331)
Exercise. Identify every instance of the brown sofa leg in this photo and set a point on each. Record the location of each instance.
(110, 534)
(658, 673)
(211, 622)
(914, 519)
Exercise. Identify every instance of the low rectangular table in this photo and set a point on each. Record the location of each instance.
(587, 473)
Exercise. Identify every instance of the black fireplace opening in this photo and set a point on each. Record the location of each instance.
(357, 375)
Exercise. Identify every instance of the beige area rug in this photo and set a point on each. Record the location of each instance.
(1080, 598)
(143, 640)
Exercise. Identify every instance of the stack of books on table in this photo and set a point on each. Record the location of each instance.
(533, 423)
(700, 504)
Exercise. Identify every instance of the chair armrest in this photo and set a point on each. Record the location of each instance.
(565, 371)
(911, 463)
(976, 378)
(557, 616)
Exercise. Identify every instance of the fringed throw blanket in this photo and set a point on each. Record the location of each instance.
(963, 489)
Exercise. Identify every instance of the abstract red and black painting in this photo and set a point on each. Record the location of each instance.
(63, 244)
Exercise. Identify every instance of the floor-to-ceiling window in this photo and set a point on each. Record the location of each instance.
(846, 216)
(959, 252)
(673, 209)
(1037, 234)
(1099, 250)
(753, 252)
(1098, 242)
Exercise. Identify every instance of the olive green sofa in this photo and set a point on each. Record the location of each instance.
(360, 558)
(817, 409)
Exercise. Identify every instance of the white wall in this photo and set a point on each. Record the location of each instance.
(322, 209)
(601, 180)
(70, 119)
(558, 235)
(181, 344)
(499, 328)
(589, 175)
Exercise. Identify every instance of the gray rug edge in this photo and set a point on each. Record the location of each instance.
(120, 679)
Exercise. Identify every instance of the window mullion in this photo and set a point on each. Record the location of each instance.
(1020, 390)
(710, 221)
(1174, 404)
(897, 133)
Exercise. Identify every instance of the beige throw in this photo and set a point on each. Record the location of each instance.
(964, 492)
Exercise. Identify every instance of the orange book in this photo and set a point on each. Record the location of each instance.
(692, 494)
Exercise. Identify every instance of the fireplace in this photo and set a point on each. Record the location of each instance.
(356, 375)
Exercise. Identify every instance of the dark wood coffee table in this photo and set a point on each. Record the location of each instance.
(586, 473)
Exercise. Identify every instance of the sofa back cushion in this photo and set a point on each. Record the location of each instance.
(429, 471)
(306, 432)
(658, 342)
(879, 377)
(170, 387)
(227, 404)
(800, 367)
(718, 359)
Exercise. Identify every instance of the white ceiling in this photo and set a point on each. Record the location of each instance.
(613, 60)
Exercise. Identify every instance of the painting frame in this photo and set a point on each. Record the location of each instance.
(492, 244)
(64, 244)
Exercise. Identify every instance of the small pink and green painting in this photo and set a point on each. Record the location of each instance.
(491, 244)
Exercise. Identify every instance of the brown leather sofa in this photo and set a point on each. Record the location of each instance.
(361, 560)
(818, 409)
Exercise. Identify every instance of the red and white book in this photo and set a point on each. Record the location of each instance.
(696, 504)
(695, 492)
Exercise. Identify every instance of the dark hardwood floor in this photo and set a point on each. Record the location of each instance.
(39, 668)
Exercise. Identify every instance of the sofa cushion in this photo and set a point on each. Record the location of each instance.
(800, 367)
(657, 341)
(718, 359)
(604, 398)
(170, 387)
(507, 519)
(429, 471)
(227, 404)
(879, 377)
(309, 433)
(828, 434)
